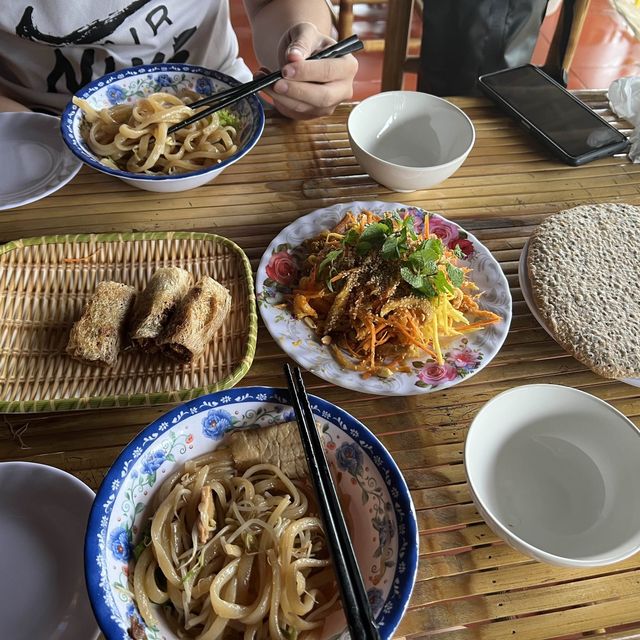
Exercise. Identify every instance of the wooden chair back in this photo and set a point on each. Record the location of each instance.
(396, 62)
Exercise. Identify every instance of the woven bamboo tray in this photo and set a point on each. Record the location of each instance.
(46, 281)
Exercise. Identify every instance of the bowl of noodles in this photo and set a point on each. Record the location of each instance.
(206, 525)
(118, 125)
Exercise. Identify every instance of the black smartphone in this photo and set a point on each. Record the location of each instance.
(556, 117)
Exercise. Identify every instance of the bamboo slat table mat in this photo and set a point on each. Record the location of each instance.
(470, 584)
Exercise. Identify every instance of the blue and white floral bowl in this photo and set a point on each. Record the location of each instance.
(379, 510)
(133, 83)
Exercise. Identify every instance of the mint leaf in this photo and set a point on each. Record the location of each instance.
(420, 262)
(329, 259)
(426, 290)
(389, 249)
(375, 233)
(351, 237)
(432, 249)
(455, 274)
(373, 236)
(409, 224)
(441, 283)
(362, 248)
(420, 284)
(388, 223)
(415, 280)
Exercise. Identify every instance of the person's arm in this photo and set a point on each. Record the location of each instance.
(285, 33)
(7, 104)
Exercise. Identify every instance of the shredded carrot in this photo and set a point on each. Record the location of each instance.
(412, 339)
(366, 341)
(475, 325)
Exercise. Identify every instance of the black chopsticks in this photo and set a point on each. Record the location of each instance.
(354, 596)
(225, 98)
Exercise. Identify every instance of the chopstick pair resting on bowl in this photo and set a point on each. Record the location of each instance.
(225, 98)
(354, 597)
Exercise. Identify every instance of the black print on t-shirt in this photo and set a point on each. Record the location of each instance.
(94, 31)
(97, 32)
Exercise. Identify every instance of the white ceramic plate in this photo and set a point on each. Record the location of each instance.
(527, 294)
(40, 161)
(43, 518)
(464, 356)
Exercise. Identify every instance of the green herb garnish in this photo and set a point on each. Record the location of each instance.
(424, 267)
(227, 119)
(143, 544)
(455, 274)
(373, 236)
(329, 261)
(351, 238)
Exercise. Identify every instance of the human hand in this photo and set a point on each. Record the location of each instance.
(311, 88)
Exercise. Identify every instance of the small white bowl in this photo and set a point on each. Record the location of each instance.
(407, 140)
(131, 84)
(554, 472)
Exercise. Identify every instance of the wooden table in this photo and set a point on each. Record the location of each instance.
(470, 584)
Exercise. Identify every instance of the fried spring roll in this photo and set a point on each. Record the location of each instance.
(96, 338)
(199, 315)
(155, 305)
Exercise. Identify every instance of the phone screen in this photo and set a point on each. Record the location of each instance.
(548, 107)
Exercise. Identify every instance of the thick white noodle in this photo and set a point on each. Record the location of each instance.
(134, 137)
(260, 571)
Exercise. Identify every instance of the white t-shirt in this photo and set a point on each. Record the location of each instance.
(51, 48)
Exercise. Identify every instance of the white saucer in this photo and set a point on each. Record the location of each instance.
(38, 161)
(527, 294)
(43, 518)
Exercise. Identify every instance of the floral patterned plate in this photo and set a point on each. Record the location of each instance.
(464, 356)
(380, 512)
(527, 294)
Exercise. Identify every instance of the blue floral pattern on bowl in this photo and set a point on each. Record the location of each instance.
(133, 83)
(378, 506)
(216, 423)
(463, 358)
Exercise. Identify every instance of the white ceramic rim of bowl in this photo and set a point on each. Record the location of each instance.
(382, 95)
(72, 112)
(505, 533)
(40, 468)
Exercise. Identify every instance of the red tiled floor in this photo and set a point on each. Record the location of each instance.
(607, 48)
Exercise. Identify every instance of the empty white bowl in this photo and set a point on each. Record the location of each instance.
(554, 472)
(407, 140)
